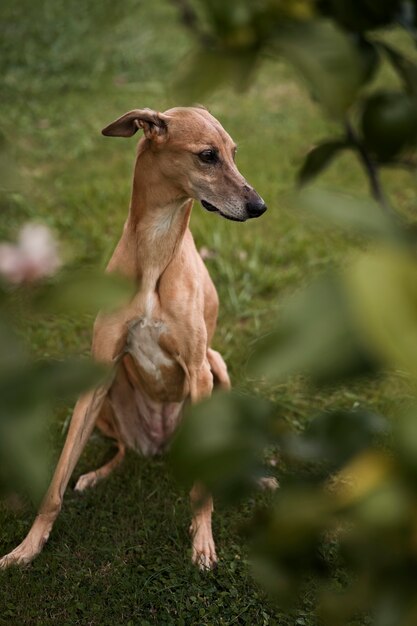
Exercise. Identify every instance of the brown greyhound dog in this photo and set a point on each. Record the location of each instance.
(159, 344)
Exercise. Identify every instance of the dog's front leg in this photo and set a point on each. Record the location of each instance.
(82, 423)
(203, 547)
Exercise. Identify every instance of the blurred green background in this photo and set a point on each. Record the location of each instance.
(120, 553)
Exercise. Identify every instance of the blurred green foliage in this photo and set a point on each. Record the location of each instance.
(345, 516)
(337, 46)
(222, 444)
(30, 388)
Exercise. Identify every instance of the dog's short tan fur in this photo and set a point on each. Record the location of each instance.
(159, 343)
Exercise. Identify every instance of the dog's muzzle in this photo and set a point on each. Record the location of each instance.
(252, 209)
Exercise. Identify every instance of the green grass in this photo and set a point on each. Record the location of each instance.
(120, 553)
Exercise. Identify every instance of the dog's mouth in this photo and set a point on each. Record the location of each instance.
(214, 209)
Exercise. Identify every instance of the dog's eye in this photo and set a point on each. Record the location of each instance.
(208, 156)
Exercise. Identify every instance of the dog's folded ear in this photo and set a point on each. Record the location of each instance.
(154, 124)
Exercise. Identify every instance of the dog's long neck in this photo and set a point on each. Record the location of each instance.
(158, 218)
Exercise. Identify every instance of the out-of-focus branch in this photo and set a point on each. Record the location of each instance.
(370, 168)
(191, 21)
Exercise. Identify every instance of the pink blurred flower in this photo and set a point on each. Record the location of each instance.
(206, 253)
(35, 255)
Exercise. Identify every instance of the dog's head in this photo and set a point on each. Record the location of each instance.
(194, 150)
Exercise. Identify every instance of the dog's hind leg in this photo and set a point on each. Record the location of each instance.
(222, 380)
(204, 550)
(90, 479)
(105, 423)
(219, 369)
(82, 423)
(203, 546)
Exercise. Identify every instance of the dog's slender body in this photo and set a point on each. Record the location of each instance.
(159, 343)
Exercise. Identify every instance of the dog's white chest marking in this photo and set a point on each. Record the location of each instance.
(143, 344)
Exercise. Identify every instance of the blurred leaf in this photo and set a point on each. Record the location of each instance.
(83, 291)
(332, 438)
(316, 336)
(286, 541)
(389, 123)
(390, 610)
(405, 438)
(296, 515)
(319, 158)
(64, 380)
(13, 354)
(45, 383)
(27, 394)
(361, 15)
(338, 605)
(382, 287)
(363, 474)
(24, 453)
(220, 443)
(327, 59)
(387, 506)
(370, 59)
(363, 216)
(233, 21)
(207, 70)
(405, 67)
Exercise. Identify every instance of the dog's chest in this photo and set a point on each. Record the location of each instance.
(159, 373)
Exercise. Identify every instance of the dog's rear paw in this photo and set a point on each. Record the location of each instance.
(86, 481)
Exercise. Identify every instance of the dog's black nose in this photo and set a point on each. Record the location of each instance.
(255, 209)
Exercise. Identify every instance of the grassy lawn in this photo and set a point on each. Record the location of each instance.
(119, 554)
